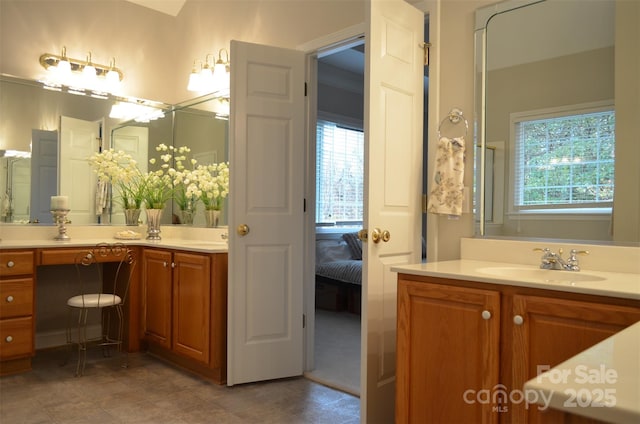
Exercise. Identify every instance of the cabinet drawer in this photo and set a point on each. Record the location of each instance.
(16, 337)
(16, 262)
(16, 297)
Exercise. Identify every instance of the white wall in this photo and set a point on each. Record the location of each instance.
(156, 51)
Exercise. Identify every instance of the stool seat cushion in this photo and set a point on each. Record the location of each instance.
(94, 300)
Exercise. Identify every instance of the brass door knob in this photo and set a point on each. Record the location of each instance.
(386, 235)
(376, 235)
(243, 230)
(363, 235)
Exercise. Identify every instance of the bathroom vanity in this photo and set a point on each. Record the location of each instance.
(471, 333)
(171, 277)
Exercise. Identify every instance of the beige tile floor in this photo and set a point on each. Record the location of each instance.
(150, 391)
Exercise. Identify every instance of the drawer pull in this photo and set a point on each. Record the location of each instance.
(518, 320)
(10, 264)
(9, 299)
(9, 339)
(486, 314)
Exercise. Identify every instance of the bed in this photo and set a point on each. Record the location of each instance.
(338, 272)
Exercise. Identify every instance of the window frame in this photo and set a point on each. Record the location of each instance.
(560, 212)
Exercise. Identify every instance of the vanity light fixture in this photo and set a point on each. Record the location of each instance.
(212, 78)
(80, 75)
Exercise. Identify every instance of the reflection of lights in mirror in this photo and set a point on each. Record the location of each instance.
(26, 106)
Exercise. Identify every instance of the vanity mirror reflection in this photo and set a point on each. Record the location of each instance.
(546, 109)
(29, 112)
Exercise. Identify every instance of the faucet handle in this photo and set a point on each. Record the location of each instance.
(574, 252)
(545, 250)
(572, 262)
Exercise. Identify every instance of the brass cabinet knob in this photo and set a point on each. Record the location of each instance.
(243, 230)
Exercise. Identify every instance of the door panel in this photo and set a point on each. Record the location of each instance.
(78, 140)
(393, 133)
(266, 173)
(44, 173)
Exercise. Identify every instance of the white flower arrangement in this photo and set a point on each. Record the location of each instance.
(187, 182)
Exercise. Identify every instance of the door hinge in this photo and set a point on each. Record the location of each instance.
(425, 46)
(304, 321)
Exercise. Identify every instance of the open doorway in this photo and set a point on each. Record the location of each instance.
(338, 209)
(337, 326)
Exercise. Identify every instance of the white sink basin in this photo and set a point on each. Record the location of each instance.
(546, 275)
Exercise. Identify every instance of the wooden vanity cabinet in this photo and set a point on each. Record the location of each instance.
(448, 342)
(457, 337)
(185, 303)
(16, 310)
(551, 331)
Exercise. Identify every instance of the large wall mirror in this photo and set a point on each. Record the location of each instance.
(33, 121)
(546, 106)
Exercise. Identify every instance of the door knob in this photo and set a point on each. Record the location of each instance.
(386, 235)
(363, 235)
(376, 235)
(243, 230)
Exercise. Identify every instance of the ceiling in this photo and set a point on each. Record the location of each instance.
(169, 7)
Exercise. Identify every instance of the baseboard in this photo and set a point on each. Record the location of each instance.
(49, 339)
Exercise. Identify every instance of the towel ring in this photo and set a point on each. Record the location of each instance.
(455, 116)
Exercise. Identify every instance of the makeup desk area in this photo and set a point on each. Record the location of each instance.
(185, 270)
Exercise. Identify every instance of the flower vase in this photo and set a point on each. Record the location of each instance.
(186, 216)
(212, 216)
(153, 224)
(131, 216)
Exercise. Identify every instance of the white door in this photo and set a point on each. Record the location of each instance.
(135, 142)
(265, 334)
(78, 140)
(44, 173)
(393, 163)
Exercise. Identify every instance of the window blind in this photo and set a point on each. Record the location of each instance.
(339, 173)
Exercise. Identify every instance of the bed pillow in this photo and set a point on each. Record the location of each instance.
(355, 245)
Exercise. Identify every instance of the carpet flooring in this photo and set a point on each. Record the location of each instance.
(337, 351)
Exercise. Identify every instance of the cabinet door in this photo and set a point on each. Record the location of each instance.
(552, 331)
(192, 305)
(448, 349)
(156, 277)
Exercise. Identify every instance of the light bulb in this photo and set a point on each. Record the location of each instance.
(206, 79)
(194, 81)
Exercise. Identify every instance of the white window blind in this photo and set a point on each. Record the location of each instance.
(565, 161)
(339, 174)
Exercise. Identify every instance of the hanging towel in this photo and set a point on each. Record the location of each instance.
(448, 178)
(101, 197)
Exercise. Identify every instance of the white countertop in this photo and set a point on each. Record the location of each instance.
(191, 245)
(207, 240)
(603, 382)
(614, 284)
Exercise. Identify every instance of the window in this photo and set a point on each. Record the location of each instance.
(339, 174)
(564, 160)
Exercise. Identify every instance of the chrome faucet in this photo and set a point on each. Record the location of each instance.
(551, 260)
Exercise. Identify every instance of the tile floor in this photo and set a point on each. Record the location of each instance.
(150, 391)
